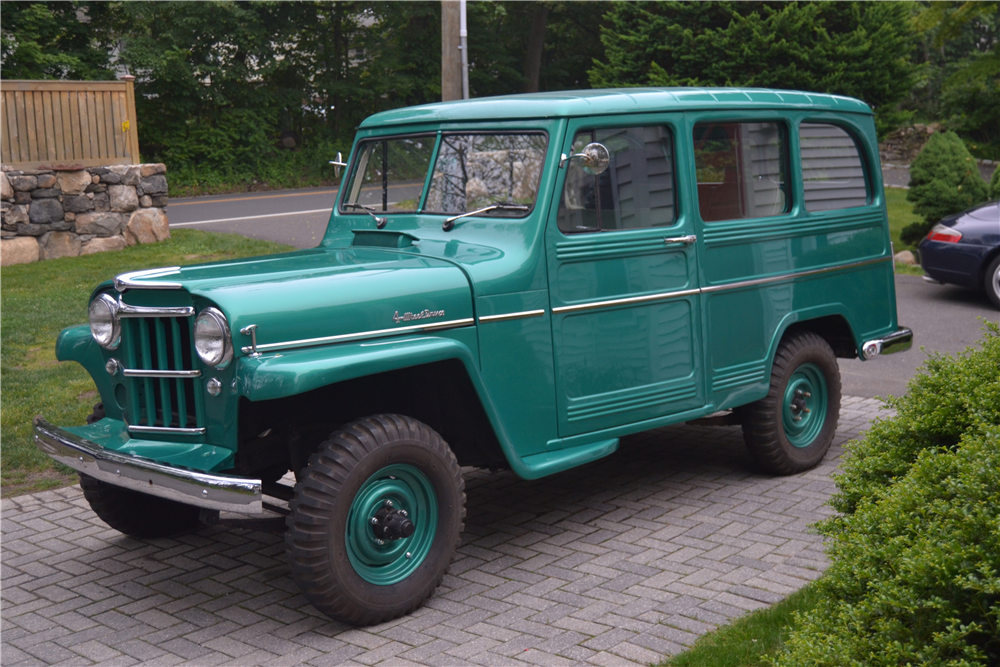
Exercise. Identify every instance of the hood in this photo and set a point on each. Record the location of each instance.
(300, 297)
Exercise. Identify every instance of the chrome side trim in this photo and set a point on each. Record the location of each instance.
(512, 316)
(125, 310)
(790, 276)
(630, 300)
(898, 341)
(128, 280)
(209, 490)
(134, 428)
(145, 373)
(308, 342)
(717, 288)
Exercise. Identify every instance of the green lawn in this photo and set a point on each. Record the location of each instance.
(749, 640)
(39, 300)
(900, 215)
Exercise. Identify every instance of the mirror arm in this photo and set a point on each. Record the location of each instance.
(563, 159)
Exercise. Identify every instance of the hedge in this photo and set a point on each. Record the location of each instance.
(915, 573)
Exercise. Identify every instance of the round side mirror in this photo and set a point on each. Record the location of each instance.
(595, 158)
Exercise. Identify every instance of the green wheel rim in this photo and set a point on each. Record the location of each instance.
(803, 407)
(393, 560)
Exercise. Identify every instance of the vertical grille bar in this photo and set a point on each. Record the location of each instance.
(131, 361)
(147, 364)
(162, 350)
(179, 384)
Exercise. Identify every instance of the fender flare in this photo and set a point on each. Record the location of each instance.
(298, 371)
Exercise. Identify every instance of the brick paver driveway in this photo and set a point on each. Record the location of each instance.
(622, 561)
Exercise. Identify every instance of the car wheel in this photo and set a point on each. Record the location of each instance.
(138, 514)
(790, 430)
(376, 519)
(992, 281)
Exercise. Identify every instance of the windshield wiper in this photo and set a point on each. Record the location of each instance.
(379, 222)
(449, 223)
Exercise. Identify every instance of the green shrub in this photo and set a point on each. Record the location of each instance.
(944, 179)
(915, 574)
(995, 184)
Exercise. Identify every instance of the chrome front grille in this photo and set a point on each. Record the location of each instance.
(163, 389)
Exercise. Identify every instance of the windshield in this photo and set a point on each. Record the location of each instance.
(471, 171)
(390, 174)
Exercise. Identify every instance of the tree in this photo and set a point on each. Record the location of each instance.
(944, 179)
(56, 40)
(959, 81)
(855, 49)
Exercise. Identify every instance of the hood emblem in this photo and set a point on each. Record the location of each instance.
(422, 315)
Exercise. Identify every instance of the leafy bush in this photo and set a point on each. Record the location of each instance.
(995, 184)
(915, 577)
(944, 179)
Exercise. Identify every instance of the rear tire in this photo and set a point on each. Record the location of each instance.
(138, 514)
(338, 556)
(791, 429)
(992, 281)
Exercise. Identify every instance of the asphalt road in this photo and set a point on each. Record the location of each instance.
(944, 319)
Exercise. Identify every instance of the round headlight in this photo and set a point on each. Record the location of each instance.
(104, 323)
(212, 339)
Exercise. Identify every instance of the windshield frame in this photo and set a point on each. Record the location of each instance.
(439, 135)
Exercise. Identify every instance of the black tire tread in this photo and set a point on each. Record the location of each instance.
(315, 494)
(762, 430)
(138, 514)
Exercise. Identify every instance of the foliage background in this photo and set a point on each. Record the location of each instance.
(243, 95)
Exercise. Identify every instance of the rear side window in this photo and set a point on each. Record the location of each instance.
(741, 170)
(833, 175)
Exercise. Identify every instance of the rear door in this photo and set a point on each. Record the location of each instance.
(623, 280)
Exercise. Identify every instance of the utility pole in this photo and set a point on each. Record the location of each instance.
(451, 54)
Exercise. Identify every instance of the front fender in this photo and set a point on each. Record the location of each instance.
(296, 372)
(77, 344)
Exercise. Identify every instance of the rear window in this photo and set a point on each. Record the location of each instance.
(833, 175)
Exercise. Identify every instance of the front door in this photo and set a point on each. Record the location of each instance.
(623, 283)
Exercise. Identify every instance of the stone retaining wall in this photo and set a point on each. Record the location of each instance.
(48, 213)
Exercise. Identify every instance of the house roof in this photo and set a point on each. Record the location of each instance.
(575, 103)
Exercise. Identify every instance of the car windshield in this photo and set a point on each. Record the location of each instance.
(470, 172)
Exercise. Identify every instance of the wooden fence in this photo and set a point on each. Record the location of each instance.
(68, 124)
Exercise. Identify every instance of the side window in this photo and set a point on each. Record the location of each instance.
(635, 192)
(833, 175)
(741, 170)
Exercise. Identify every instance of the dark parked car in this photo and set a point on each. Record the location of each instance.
(964, 249)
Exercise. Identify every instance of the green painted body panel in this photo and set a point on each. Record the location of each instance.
(611, 333)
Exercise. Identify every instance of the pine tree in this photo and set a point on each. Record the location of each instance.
(944, 179)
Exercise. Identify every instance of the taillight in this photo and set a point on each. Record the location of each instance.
(944, 233)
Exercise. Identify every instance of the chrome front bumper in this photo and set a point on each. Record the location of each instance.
(900, 341)
(225, 493)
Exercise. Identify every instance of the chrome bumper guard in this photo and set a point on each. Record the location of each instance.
(213, 491)
(900, 341)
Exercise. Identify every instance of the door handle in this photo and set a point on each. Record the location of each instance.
(686, 240)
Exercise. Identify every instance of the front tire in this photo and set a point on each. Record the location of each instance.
(377, 466)
(791, 429)
(992, 281)
(138, 514)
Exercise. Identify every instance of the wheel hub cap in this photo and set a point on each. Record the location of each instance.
(391, 524)
(804, 405)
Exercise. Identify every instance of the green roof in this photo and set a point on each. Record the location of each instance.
(573, 103)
